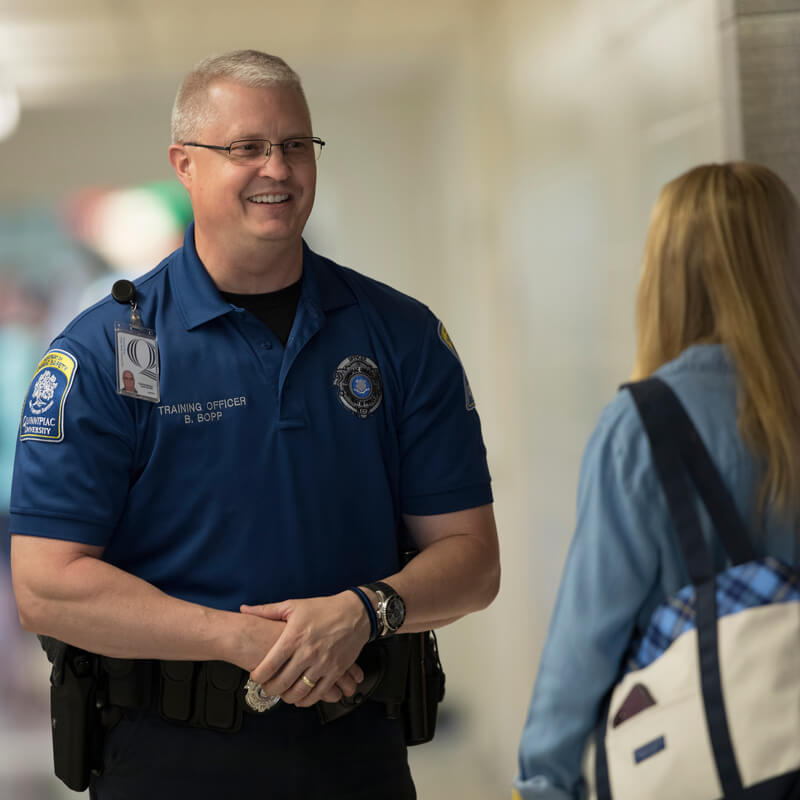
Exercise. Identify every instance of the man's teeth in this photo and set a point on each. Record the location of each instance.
(269, 198)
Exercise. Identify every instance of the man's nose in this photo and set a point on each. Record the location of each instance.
(275, 166)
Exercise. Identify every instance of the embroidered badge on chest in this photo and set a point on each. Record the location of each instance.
(359, 383)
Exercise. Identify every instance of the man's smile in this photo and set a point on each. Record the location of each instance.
(268, 198)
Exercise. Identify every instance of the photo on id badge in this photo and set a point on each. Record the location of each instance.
(137, 363)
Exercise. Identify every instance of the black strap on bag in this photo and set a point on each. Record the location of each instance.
(679, 454)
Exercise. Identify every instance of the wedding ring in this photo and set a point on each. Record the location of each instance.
(308, 682)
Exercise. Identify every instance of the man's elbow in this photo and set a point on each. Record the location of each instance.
(28, 622)
(31, 610)
(34, 604)
(489, 586)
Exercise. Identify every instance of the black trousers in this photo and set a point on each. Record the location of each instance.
(286, 754)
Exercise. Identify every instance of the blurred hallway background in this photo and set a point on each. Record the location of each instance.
(497, 159)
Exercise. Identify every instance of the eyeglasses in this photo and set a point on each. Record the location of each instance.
(300, 150)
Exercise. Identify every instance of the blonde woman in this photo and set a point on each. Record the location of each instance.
(718, 319)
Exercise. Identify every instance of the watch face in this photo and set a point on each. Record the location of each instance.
(395, 612)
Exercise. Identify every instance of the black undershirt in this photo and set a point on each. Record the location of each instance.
(275, 309)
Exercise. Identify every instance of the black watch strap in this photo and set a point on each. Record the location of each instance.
(386, 596)
(380, 586)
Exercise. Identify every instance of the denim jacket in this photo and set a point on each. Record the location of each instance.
(624, 561)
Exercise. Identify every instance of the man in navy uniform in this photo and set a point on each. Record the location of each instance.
(291, 416)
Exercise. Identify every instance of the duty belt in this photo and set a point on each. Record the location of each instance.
(216, 695)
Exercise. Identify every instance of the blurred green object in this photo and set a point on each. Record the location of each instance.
(174, 198)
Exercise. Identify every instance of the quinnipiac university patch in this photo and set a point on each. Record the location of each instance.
(43, 412)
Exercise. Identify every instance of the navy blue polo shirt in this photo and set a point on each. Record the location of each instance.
(263, 472)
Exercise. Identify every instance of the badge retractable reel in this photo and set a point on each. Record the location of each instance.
(138, 371)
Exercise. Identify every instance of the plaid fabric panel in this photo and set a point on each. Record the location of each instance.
(756, 583)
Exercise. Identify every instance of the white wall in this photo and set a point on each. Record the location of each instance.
(601, 104)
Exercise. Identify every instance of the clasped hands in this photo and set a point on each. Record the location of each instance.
(314, 657)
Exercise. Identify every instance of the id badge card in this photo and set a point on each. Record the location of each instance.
(137, 363)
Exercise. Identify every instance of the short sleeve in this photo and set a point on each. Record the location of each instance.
(610, 572)
(75, 446)
(443, 458)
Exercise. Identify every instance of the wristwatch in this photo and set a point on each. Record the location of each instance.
(391, 610)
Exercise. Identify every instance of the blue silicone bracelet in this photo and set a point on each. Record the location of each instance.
(373, 621)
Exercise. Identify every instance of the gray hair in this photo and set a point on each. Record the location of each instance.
(247, 67)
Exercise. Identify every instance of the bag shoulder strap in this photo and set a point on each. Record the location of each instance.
(677, 450)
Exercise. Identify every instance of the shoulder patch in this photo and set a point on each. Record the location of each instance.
(446, 340)
(43, 412)
(444, 336)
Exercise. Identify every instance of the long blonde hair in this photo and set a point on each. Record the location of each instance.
(722, 265)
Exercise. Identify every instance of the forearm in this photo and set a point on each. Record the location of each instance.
(429, 625)
(451, 576)
(98, 607)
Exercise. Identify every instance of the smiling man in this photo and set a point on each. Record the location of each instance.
(233, 534)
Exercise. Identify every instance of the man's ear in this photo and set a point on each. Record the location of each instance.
(182, 164)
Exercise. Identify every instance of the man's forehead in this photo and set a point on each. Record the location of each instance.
(243, 111)
(283, 97)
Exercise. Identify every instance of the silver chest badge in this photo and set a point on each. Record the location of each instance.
(256, 699)
(359, 383)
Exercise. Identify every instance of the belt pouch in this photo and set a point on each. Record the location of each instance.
(177, 690)
(75, 720)
(220, 683)
(391, 691)
(128, 682)
(425, 688)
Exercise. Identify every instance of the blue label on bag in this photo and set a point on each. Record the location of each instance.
(649, 749)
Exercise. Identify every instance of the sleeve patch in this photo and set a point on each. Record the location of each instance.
(446, 340)
(444, 336)
(43, 412)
